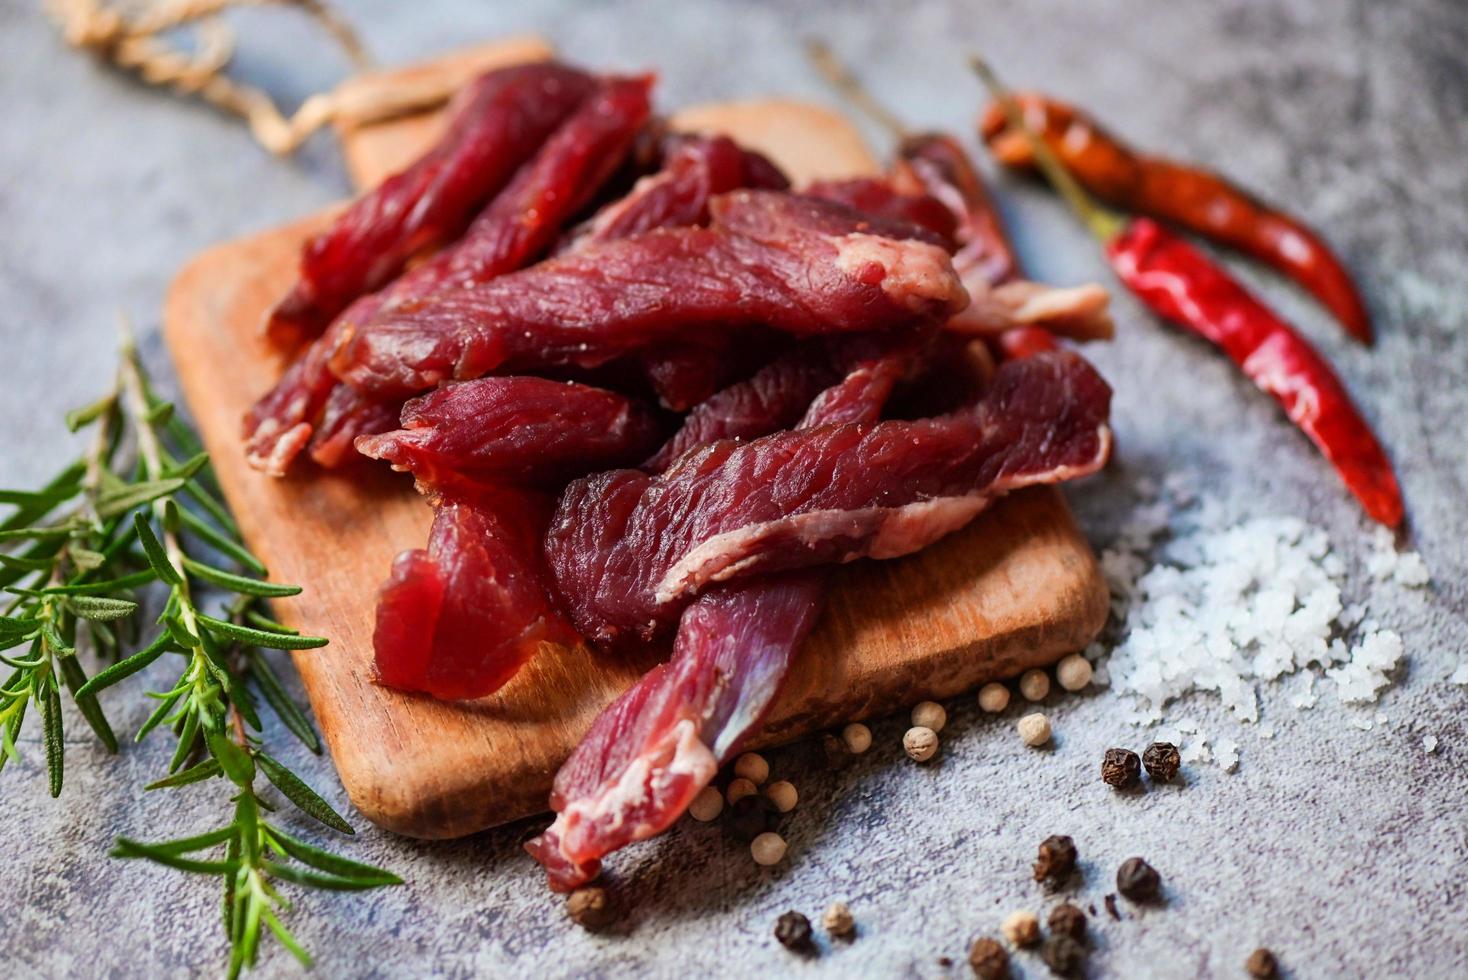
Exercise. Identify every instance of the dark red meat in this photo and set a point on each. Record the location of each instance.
(458, 619)
(941, 166)
(777, 395)
(879, 196)
(795, 264)
(650, 752)
(695, 169)
(518, 429)
(655, 747)
(518, 226)
(497, 123)
(628, 549)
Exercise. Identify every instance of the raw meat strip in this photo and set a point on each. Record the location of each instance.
(651, 751)
(521, 223)
(459, 618)
(628, 550)
(777, 395)
(939, 164)
(498, 121)
(527, 216)
(795, 264)
(519, 429)
(881, 196)
(695, 169)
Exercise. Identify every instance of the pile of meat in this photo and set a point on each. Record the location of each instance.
(652, 392)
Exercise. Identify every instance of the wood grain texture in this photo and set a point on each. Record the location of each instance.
(1017, 589)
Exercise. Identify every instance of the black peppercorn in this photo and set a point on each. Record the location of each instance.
(1138, 880)
(1063, 955)
(836, 753)
(590, 908)
(1068, 920)
(1262, 965)
(1162, 761)
(988, 959)
(1110, 902)
(1121, 768)
(1057, 859)
(793, 931)
(748, 817)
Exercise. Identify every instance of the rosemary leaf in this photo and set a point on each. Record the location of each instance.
(233, 760)
(317, 879)
(220, 541)
(50, 700)
(21, 564)
(285, 709)
(129, 581)
(91, 711)
(126, 668)
(261, 638)
(207, 769)
(158, 716)
(153, 549)
(239, 583)
(100, 608)
(324, 860)
(303, 796)
(79, 418)
(125, 848)
(124, 499)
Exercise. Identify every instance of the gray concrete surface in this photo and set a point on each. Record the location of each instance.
(1343, 850)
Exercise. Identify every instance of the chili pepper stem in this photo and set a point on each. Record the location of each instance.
(1104, 223)
(846, 83)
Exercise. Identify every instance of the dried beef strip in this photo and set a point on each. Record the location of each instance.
(628, 550)
(498, 122)
(795, 264)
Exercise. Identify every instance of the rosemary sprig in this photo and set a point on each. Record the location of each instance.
(139, 510)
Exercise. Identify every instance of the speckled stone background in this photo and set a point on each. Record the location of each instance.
(1341, 849)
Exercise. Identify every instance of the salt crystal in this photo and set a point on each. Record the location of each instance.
(1362, 723)
(1266, 731)
(1429, 744)
(1200, 606)
(1227, 753)
(1460, 676)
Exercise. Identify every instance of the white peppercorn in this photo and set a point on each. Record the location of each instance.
(739, 789)
(768, 848)
(993, 698)
(1022, 928)
(1034, 684)
(782, 795)
(1034, 729)
(920, 743)
(929, 714)
(753, 767)
(838, 920)
(1073, 672)
(857, 738)
(707, 805)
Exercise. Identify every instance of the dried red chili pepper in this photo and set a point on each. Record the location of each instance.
(1184, 195)
(1185, 286)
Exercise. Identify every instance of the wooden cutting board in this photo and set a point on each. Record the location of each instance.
(1017, 589)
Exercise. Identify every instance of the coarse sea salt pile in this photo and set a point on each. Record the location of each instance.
(1201, 606)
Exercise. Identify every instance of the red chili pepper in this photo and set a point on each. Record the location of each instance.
(1185, 286)
(1191, 197)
